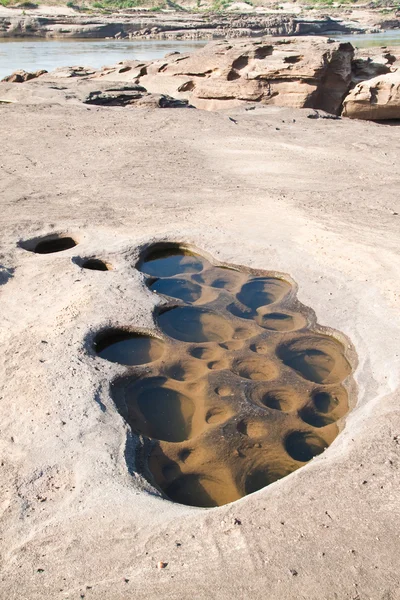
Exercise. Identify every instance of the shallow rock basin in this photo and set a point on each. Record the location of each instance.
(242, 387)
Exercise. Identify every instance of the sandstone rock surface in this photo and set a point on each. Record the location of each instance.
(316, 73)
(375, 99)
(267, 188)
(287, 72)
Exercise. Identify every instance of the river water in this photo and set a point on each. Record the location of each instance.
(31, 54)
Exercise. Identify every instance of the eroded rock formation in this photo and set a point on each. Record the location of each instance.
(169, 26)
(296, 73)
(316, 73)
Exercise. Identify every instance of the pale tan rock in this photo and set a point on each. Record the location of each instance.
(296, 73)
(229, 90)
(314, 199)
(375, 99)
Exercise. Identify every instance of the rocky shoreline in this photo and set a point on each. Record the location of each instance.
(184, 26)
(318, 73)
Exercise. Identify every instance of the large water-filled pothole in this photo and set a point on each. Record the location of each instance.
(239, 386)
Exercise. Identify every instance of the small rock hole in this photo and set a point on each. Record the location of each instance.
(49, 245)
(95, 264)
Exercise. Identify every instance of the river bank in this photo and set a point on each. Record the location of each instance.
(33, 54)
(65, 23)
(297, 72)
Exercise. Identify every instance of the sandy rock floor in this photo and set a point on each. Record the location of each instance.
(267, 188)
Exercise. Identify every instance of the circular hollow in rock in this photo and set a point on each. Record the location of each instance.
(128, 348)
(95, 264)
(251, 428)
(50, 244)
(311, 417)
(232, 345)
(192, 324)
(262, 291)
(279, 321)
(317, 358)
(256, 368)
(206, 352)
(218, 415)
(303, 445)
(220, 278)
(158, 411)
(186, 370)
(243, 333)
(201, 490)
(263, 476)
(283, 399)
(184, 290)
(261, 347)
(218, 365)
(238, 311)
(325, 402)
(223, 391)
(169, 261)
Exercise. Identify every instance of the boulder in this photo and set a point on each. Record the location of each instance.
(21, 76)
(375, 99)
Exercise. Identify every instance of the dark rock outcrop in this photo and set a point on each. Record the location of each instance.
(134, 95)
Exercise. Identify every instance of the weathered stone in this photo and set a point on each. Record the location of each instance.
(170, 26)
(297, 73)
(375, 99)
(134, 95)
(21, 76)
(371, 62)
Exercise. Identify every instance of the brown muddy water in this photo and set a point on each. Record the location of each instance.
(236, 387)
